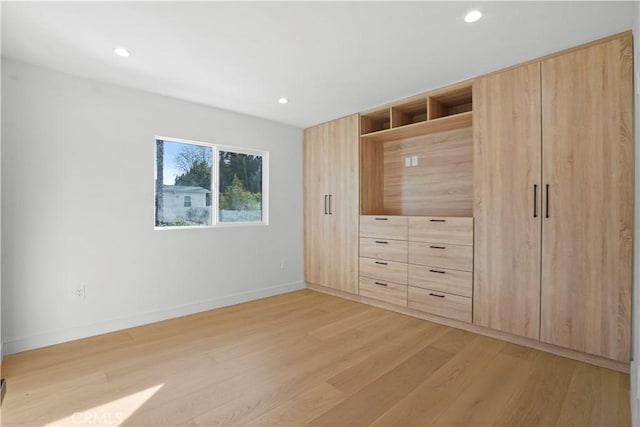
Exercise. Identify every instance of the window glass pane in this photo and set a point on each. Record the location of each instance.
(183, 184)
(240, 187)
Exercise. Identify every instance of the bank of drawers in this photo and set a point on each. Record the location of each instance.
(384, 252)
(424, 263)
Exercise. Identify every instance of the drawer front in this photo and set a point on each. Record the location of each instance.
(390, 292)
(440, 303)
(386, 271)
(384, 227)
(392, 250)
(456, 282)
(441, 255)
(452, 230)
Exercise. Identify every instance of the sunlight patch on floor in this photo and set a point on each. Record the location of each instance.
(113, 413)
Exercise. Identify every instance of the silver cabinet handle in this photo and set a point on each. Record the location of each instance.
(325, 204)
(330, 210)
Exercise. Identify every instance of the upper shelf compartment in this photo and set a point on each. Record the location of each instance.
(446, 109)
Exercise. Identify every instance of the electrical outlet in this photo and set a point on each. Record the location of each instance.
(283, 264)
(414, 161)
(80, 292)
(407, 162)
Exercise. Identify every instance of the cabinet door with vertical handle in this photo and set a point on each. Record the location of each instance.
(507, 169)
(316, 204)
(587, 225)
(343, 202)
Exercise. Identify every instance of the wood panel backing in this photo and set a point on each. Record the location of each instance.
(371, 177)
(441, 184)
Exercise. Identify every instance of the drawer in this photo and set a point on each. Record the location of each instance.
(452, 230)
(441, 255)
(390, 292)
(392, 250)
(456, 282)
(386, 271)
(440, 303)
(384, 227)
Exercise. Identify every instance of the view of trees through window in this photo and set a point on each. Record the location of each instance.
(240, 187)
(184, 183)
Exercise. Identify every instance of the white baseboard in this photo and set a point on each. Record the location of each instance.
(635, 394)
(57, 337)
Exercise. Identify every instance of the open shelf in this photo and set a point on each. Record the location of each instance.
(442, 124)
(375, 121)
(450, 103)
(416, 155)
(438, 111)
(409, 113)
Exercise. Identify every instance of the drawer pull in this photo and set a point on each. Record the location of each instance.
(380, 283)
(381, 263)
(438, 220)
(436, 295)
(382, 219)
(437, 247)
(382, 242)
(437, 271)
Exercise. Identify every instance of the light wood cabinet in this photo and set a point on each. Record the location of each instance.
(553, 199)
(501, 205)
(393, 250)
(393, 293)
(508, 190)
(440, 303)
(587, 223)
(331, 204)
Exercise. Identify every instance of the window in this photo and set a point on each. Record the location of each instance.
(187, 176)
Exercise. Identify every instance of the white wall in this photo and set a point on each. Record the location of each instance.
(63, 137)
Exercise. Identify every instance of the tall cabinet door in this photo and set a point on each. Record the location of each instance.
(507, 201)
(344, 199)
(316, 190)
(587, 234)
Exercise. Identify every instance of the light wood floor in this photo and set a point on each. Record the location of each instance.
(306, 358)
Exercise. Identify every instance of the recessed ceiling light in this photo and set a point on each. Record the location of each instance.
(120, 51)
(283, 100)
(473, 16)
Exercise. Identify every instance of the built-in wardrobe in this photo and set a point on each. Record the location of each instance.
(501, 205)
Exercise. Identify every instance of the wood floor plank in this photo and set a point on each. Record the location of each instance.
(589, 400)
(539, 400)
(307, 358)
(363, 407)
(302, 408)
(481, 402)
(437, 393)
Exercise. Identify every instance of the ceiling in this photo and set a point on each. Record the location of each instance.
(329, 58)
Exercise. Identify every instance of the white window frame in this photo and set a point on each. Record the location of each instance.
(215, 177)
